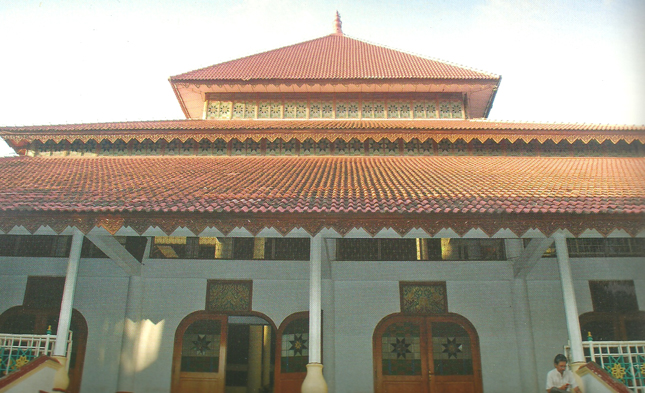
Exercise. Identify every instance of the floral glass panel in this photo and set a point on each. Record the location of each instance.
(401, 349)
(201, 346)
(224, 296)
(423, 298)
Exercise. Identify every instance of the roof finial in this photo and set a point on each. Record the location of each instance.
(338, 25)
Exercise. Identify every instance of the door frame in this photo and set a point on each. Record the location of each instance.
(447, 317)
(206, 314)
(178, 341)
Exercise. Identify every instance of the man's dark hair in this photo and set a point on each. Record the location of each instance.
(560, 358)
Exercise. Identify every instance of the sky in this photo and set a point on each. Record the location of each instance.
(86, 61)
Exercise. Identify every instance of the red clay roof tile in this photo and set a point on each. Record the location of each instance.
(332, 57)
(324, 184)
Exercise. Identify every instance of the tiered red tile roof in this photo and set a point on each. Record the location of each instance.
(421, 185)
(335, 57)
(330, 129)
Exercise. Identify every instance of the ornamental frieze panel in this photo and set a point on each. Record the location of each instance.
(461, 224)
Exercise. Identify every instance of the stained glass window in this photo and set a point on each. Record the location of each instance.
(238, 110)
(456, 109)
(451, 349)
(444, 110)
(295, 347)
(201, 346)
(289, 110)
(249, 110)
(315, 110)
(401, 349)
(327, 109)
(264, 110)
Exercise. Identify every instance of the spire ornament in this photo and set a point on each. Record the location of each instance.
(338, 25)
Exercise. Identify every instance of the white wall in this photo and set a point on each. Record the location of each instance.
(363, 294)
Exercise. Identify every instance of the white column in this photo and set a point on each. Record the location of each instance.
(315, 381)
(524, 336)
(131, 329)
(570, 306)
(315, 307)
(65, 316)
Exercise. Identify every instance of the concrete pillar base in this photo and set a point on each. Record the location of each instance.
(314, 381)
(61, 379)
(574, 369)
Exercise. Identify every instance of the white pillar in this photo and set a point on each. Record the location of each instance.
(131, 329)
(315, 307)
(65, 316)
(570, 306)
(254, 379)
(524, 336)
(314, 381)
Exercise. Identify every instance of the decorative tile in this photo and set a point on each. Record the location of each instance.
(188, 148)
(308, 147)
(340, 147)
(356, 147)
(426, 148)
(323, 147)
(444, 147)
(411, 148)
(238, 148)
(273, 147)
(227, 296)
(220, 147)
(205, 148)
(173, 148)
(422, 298)
(253, 148)
(289, 148)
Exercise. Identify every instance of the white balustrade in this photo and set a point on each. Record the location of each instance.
(16, 350)
(623, 360)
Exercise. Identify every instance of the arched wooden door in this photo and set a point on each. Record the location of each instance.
(199, 356)
(292, 353)
(426, 354)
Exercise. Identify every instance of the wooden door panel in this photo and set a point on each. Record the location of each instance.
(426, 354)
(454, 387)
(404, 387)
(195, 383)
(199, 359)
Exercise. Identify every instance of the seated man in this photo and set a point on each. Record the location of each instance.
(560, 379)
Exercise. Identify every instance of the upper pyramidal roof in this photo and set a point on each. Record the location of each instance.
(335, 56)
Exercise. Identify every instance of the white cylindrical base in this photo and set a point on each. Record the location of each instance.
(314, 381)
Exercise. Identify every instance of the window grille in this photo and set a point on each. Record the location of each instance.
(238, 248)
(420, 249)
(610, 247)
(35, 245)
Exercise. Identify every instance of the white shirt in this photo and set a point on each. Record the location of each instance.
(554, 379)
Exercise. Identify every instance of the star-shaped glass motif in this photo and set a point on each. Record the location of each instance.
(400, 348)
(298, 344)
(201, 345)
(452, 347)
